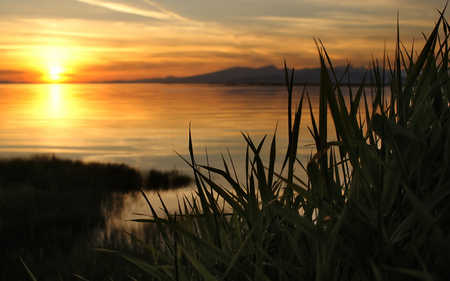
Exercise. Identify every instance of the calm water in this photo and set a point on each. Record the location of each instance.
(143, 125)
(138, 124)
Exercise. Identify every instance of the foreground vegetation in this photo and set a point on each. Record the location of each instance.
(375, 202)
(53, 213)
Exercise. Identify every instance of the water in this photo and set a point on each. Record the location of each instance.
(137, 124)
(146, 125)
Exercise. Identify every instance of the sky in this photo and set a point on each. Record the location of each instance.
(102, 40)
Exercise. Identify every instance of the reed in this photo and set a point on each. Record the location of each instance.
(54, 212)
(373, 206)
(164, 180)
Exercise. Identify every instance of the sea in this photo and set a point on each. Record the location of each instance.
(149, 126)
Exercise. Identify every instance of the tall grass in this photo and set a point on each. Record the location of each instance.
(50, 211)
(374, 205)
(54, 212)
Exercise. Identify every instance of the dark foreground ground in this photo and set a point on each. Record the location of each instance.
(53, 211)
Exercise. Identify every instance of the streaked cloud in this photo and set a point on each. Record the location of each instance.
(159, 13)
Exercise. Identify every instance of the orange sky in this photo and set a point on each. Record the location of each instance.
(98, 40)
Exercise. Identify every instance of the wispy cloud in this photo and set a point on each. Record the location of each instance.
(160, 8)
(159, 13)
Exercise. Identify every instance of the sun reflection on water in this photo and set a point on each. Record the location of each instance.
(56, 104)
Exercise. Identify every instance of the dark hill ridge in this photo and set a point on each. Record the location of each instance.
(264, 75)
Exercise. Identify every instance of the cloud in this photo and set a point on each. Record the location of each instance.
(159, 13)
(174, 15)
(10, 72)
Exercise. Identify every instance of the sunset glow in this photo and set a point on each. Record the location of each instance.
(101, 40)
(55, 73)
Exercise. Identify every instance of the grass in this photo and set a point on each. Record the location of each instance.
(164, 180)
(53, 212)
(374, 205)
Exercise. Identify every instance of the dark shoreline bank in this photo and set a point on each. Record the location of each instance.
(50, 172)
(52, 211)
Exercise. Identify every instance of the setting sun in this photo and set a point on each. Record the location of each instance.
(54, 63)
(55, 73)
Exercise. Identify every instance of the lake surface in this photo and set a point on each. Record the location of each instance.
(139, 124)
(144, 125)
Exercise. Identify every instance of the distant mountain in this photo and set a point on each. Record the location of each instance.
(264, 75)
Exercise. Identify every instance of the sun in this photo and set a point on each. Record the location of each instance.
(55, 73)
(55, 64)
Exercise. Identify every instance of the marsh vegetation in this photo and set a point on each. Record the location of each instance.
(54, 212)
(374, 205)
